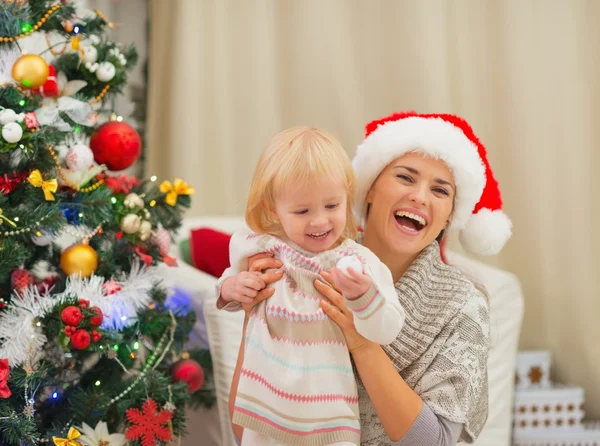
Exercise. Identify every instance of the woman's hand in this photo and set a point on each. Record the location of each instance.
(258, 264)
(335, 307)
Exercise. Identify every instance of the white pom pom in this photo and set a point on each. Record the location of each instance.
(349, 262)
(106, 71)
(486, 232)
(12, 132)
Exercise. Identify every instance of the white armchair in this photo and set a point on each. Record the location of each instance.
(222, 330)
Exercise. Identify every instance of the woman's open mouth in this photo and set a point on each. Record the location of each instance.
(410, 222)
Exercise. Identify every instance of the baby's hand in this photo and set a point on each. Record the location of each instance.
(353, 284)
(243, 287)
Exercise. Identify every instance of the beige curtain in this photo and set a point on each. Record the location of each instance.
(226, 75)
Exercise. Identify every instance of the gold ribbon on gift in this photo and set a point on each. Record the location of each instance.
(179, 187)
(48, 186)
(70, 440)
(6, 219)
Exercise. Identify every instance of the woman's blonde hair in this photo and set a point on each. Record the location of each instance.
(297, 156)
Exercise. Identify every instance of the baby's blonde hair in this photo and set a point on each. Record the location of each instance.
(297, 156)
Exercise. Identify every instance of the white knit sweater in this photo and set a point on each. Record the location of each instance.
(297, 384)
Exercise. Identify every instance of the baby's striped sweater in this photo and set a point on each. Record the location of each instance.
(297, 385)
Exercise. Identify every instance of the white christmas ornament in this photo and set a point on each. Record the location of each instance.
(8, 115)
(79, 157)
(133, 200)
(12, 132)
(105, 72)
(42, 238)
(90, 54)
(349, 262)
(145, 230)
(131, 223)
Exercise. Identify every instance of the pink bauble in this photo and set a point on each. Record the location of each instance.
(79, 157)
(162, 239)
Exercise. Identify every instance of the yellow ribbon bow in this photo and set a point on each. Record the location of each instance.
(179, 187)
(49, 186)
(70, 440)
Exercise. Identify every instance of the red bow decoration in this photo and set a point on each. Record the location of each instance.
(147, 259)
(50, 87)
(4, 370)
(169, 261)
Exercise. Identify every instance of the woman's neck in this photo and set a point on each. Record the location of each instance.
(397, 263)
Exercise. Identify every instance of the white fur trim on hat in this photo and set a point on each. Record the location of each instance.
(486, 232)
(432, 136)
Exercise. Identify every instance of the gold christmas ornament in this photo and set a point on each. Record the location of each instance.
(31, 71)
(79, 259)
(131, 223)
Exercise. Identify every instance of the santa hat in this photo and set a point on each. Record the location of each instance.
(484, 228)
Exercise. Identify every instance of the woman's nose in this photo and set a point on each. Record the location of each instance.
(418, 195)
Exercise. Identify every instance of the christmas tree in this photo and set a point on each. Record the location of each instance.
(91, 342)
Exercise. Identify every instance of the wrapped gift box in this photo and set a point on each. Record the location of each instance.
(533, 369)
(557, 408)
(588, 435)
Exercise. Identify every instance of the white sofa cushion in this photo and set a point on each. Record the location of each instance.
(506, 311)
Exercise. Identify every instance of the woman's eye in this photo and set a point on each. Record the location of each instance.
(301, 212)
(442, 191)
(405, 177)
(332, 206)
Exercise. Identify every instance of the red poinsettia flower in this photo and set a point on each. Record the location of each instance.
(148, 425)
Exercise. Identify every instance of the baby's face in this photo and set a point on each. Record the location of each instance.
(313, 216)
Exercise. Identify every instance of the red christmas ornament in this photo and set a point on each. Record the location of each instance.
(4, 373)
(50, 87)
(190, 372)
(71, 315)
(148, 425)
(116, 144)
(96, 336)
(96, 321)
(20, 279)
(80, 339)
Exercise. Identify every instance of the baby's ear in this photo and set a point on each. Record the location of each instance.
(269, 211)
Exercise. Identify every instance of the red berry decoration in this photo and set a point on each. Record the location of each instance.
(84, 303)
(96, 336)
(20, 279)
(80, 339)
(96, 321)
(116, 144)
(71, 315)
(190, 372)
(69, 331)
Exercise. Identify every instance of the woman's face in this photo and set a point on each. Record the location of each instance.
(410, 203)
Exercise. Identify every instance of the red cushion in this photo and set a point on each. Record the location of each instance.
(210, 250)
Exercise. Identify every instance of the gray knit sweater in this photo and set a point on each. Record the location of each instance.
(441, 352)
